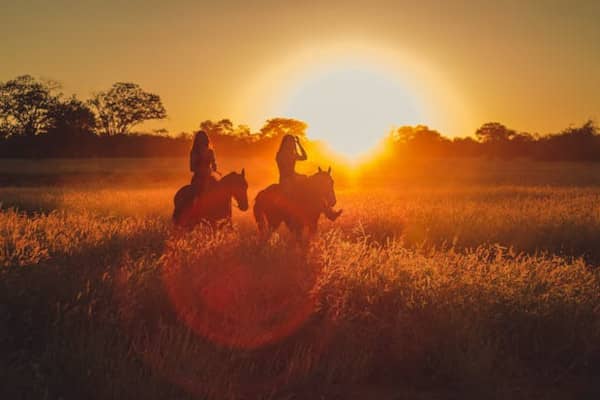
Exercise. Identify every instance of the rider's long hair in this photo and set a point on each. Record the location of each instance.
(201, 141)
(287, 146)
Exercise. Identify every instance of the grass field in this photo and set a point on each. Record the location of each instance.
(461, 280)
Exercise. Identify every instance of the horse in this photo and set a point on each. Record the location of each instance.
(214, 204)
(299, 209)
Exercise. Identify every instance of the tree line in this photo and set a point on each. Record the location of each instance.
(495, 140)
(37, 120)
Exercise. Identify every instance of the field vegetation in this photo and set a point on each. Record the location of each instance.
(473, 279)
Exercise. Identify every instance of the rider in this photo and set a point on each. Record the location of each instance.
(202, 162)
(290, 151)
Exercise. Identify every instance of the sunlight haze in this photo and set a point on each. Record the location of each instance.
(340, 199)
(530, 65)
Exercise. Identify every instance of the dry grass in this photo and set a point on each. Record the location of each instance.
(418, 291)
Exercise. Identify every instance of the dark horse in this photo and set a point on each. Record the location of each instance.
(214, 205)
(300, 209)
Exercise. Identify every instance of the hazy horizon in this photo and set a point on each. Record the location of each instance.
(530, 66)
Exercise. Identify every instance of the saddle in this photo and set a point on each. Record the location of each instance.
(206, 187)
(293, 185)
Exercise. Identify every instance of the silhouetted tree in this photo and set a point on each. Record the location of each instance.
(466, 147)
(500, 141)
(222, 127)
(420, 133)
(572, 144)
(494, 132)
(585, 131)
(277, 127)
(228, 138)
(35, 121)
(71, 119)
(418, 141)
(124, 106)
(25, 104)
(522, 144)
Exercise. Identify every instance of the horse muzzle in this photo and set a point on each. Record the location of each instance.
(243, 205)
(329, 203)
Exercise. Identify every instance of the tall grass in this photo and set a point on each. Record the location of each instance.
(461, 292)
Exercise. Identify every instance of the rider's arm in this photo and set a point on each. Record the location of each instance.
(302, 154)
(213, 162)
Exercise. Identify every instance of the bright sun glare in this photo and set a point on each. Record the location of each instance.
(351, 107)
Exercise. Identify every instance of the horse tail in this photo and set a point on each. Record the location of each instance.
(181, 203)
(177, 207)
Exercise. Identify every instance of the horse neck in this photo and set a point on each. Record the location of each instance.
(312, 187)
(225, 187)
(311, 194)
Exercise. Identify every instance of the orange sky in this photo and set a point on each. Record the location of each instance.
(533, 65)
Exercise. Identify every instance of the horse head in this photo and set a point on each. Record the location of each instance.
(238, 188)
(323, 185)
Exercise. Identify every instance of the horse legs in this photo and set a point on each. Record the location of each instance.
(184, 213)
(264, 228)
(270, 225)
(312, 225)
(304, 230)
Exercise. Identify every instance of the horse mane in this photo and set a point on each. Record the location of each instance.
(307, 188)
(232, 179)
(316, 174)
(229, 177)
(312, 179)
(231, 174)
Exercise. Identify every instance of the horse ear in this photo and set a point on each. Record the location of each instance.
(329, 170)
(320, 170)
(244, 172)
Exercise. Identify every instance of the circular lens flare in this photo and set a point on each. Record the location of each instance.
(238, 301)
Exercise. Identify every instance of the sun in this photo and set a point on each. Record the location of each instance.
(352, 91)
(351, 106)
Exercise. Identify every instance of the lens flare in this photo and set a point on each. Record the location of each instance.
(241, 302)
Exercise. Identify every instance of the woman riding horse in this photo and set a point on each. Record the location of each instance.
(202, 162)
(214, 204)
(206, 198)
(313, 196)
(290, 151)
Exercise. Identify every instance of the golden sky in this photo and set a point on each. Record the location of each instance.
(533, 65)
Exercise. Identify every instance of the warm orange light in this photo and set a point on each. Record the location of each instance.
(352, 106)
(351, 92)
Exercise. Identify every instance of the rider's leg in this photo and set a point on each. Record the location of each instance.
(287, 186)
(195, 182)
(199, 183)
